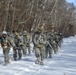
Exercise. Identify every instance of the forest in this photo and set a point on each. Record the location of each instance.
(27, 15)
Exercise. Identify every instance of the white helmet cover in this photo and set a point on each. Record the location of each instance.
(4, 32)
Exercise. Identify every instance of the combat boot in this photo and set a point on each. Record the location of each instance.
(15, 59)
(50, 56)
(19, 58)
(41, 63)
(37, 61)
(6, 63)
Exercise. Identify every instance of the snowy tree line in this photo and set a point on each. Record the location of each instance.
(29, 14)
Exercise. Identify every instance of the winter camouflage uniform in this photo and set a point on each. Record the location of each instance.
(48, 46)
(27, 42)
(5, 43)
(24, 46)
(39, 41)
(53, 42)
(18, 40)
(56, 39)
(60, 39)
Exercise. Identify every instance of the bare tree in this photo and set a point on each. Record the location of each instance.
(29, 14)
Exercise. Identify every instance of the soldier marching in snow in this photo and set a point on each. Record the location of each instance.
(60, 39)
(27, 41)
(39, 41)
(45, 44)
(49, 48)
(18, 40)
(5, 44)
(54, 41)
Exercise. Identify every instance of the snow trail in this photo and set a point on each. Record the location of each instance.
(64, 62)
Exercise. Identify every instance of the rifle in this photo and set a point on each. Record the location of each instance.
(49, 45)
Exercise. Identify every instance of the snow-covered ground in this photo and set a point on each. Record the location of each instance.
(62, 63)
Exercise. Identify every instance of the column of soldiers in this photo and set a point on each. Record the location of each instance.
(45, 44)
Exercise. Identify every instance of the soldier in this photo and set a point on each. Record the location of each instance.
(27, 41)
(60, 39)
(52, 43)
(24, 39)
(56, 38)
(48, 46)
(22, 35)
(33, 35)
(39, 41)
(5, 43)
(18, 40)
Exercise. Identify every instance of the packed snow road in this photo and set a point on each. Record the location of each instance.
(62, 63)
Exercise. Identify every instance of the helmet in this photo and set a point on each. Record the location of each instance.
(55, 33)
(4, 32)
(24, 32)
(60, 34)
(15, 32)
(39, 29)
